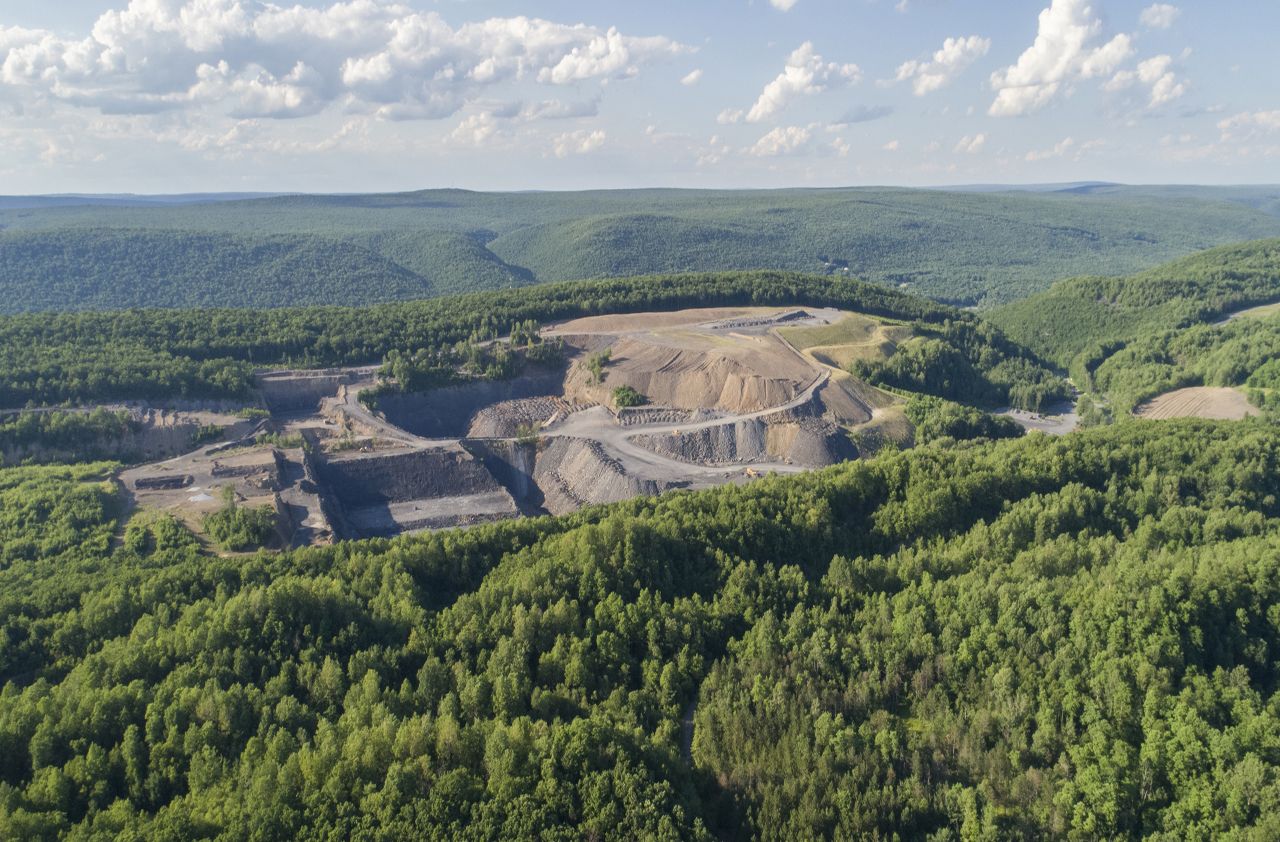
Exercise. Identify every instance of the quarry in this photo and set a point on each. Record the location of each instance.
(729, 395)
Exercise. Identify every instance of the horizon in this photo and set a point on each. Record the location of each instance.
(1047, 187)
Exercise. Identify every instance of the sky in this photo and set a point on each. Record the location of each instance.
(171, 96)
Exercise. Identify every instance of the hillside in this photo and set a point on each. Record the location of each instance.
(968, 248)
(141, 354)
(1128, 340)
(1015, 640)
(1080, 314)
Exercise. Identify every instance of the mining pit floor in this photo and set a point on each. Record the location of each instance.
(730, 400)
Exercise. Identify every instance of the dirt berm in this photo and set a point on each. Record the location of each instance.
(812, 442)
(573, 473)
(697, 372)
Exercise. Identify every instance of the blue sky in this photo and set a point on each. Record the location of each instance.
(194, 95)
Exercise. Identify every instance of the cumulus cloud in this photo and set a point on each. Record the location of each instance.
(864, 114)
(1159, 15)
(692, 77)
(953, 57)
(255, 59)
(783, 5)
(1249, 125)
(783, 140)
(1056, 151)
(1157, 74)
(971, 145)
(729, 116)
(805, 73)
(1065, 50)
(581, 142)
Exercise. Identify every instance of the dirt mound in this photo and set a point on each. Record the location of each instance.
(634, 416)
(811, 442)
(573, 473)
(1222, 403)
(505, 419)
(624, 322)
(693, 371)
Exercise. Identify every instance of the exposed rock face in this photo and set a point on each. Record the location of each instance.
(573, 473)
(512, 463)
(395, 477)
(390, 493)
(292, 391)
(505, 419)
(802, 441)
(156, 434)
(448, 412)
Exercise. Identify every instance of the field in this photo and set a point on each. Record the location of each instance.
(1216, 402)
(1260, 312)
(855, 337)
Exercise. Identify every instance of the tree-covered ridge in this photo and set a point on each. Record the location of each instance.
(968, 361)
(962, 247)
(1240, 352)
(87, 357)
(1082, 319)
(1062, 638)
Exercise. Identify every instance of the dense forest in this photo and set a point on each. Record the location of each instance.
(1241, 352)
(1127, 339)
(963, 247)
(1066, 638)
(970, 362)
(157, 354)
(1082, 319)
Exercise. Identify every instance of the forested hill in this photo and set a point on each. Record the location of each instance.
(1086, 316)
(157, 354)
(1066, 638)
(962, 247)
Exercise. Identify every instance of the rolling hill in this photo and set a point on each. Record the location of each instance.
(969, 248)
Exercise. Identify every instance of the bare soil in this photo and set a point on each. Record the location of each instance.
(1216, 402)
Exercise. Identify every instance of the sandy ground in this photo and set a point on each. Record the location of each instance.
(1216, 402)
(1057, 420)
(1262, 311)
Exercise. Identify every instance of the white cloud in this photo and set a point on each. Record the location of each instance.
(954, 56)
(1159, 15)
(555, 109)
(1062, 53)
(581, 142)
(729, 115)
(971, 145)
(1249, 125)
(262, 60)
(892, 146)
(1157, 74)
(805, 73)
(783, 5)
(693, 77)
(783, 140)
(1056, 151)
(475, 130)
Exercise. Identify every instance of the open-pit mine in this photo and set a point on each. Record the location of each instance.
(729, 394)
